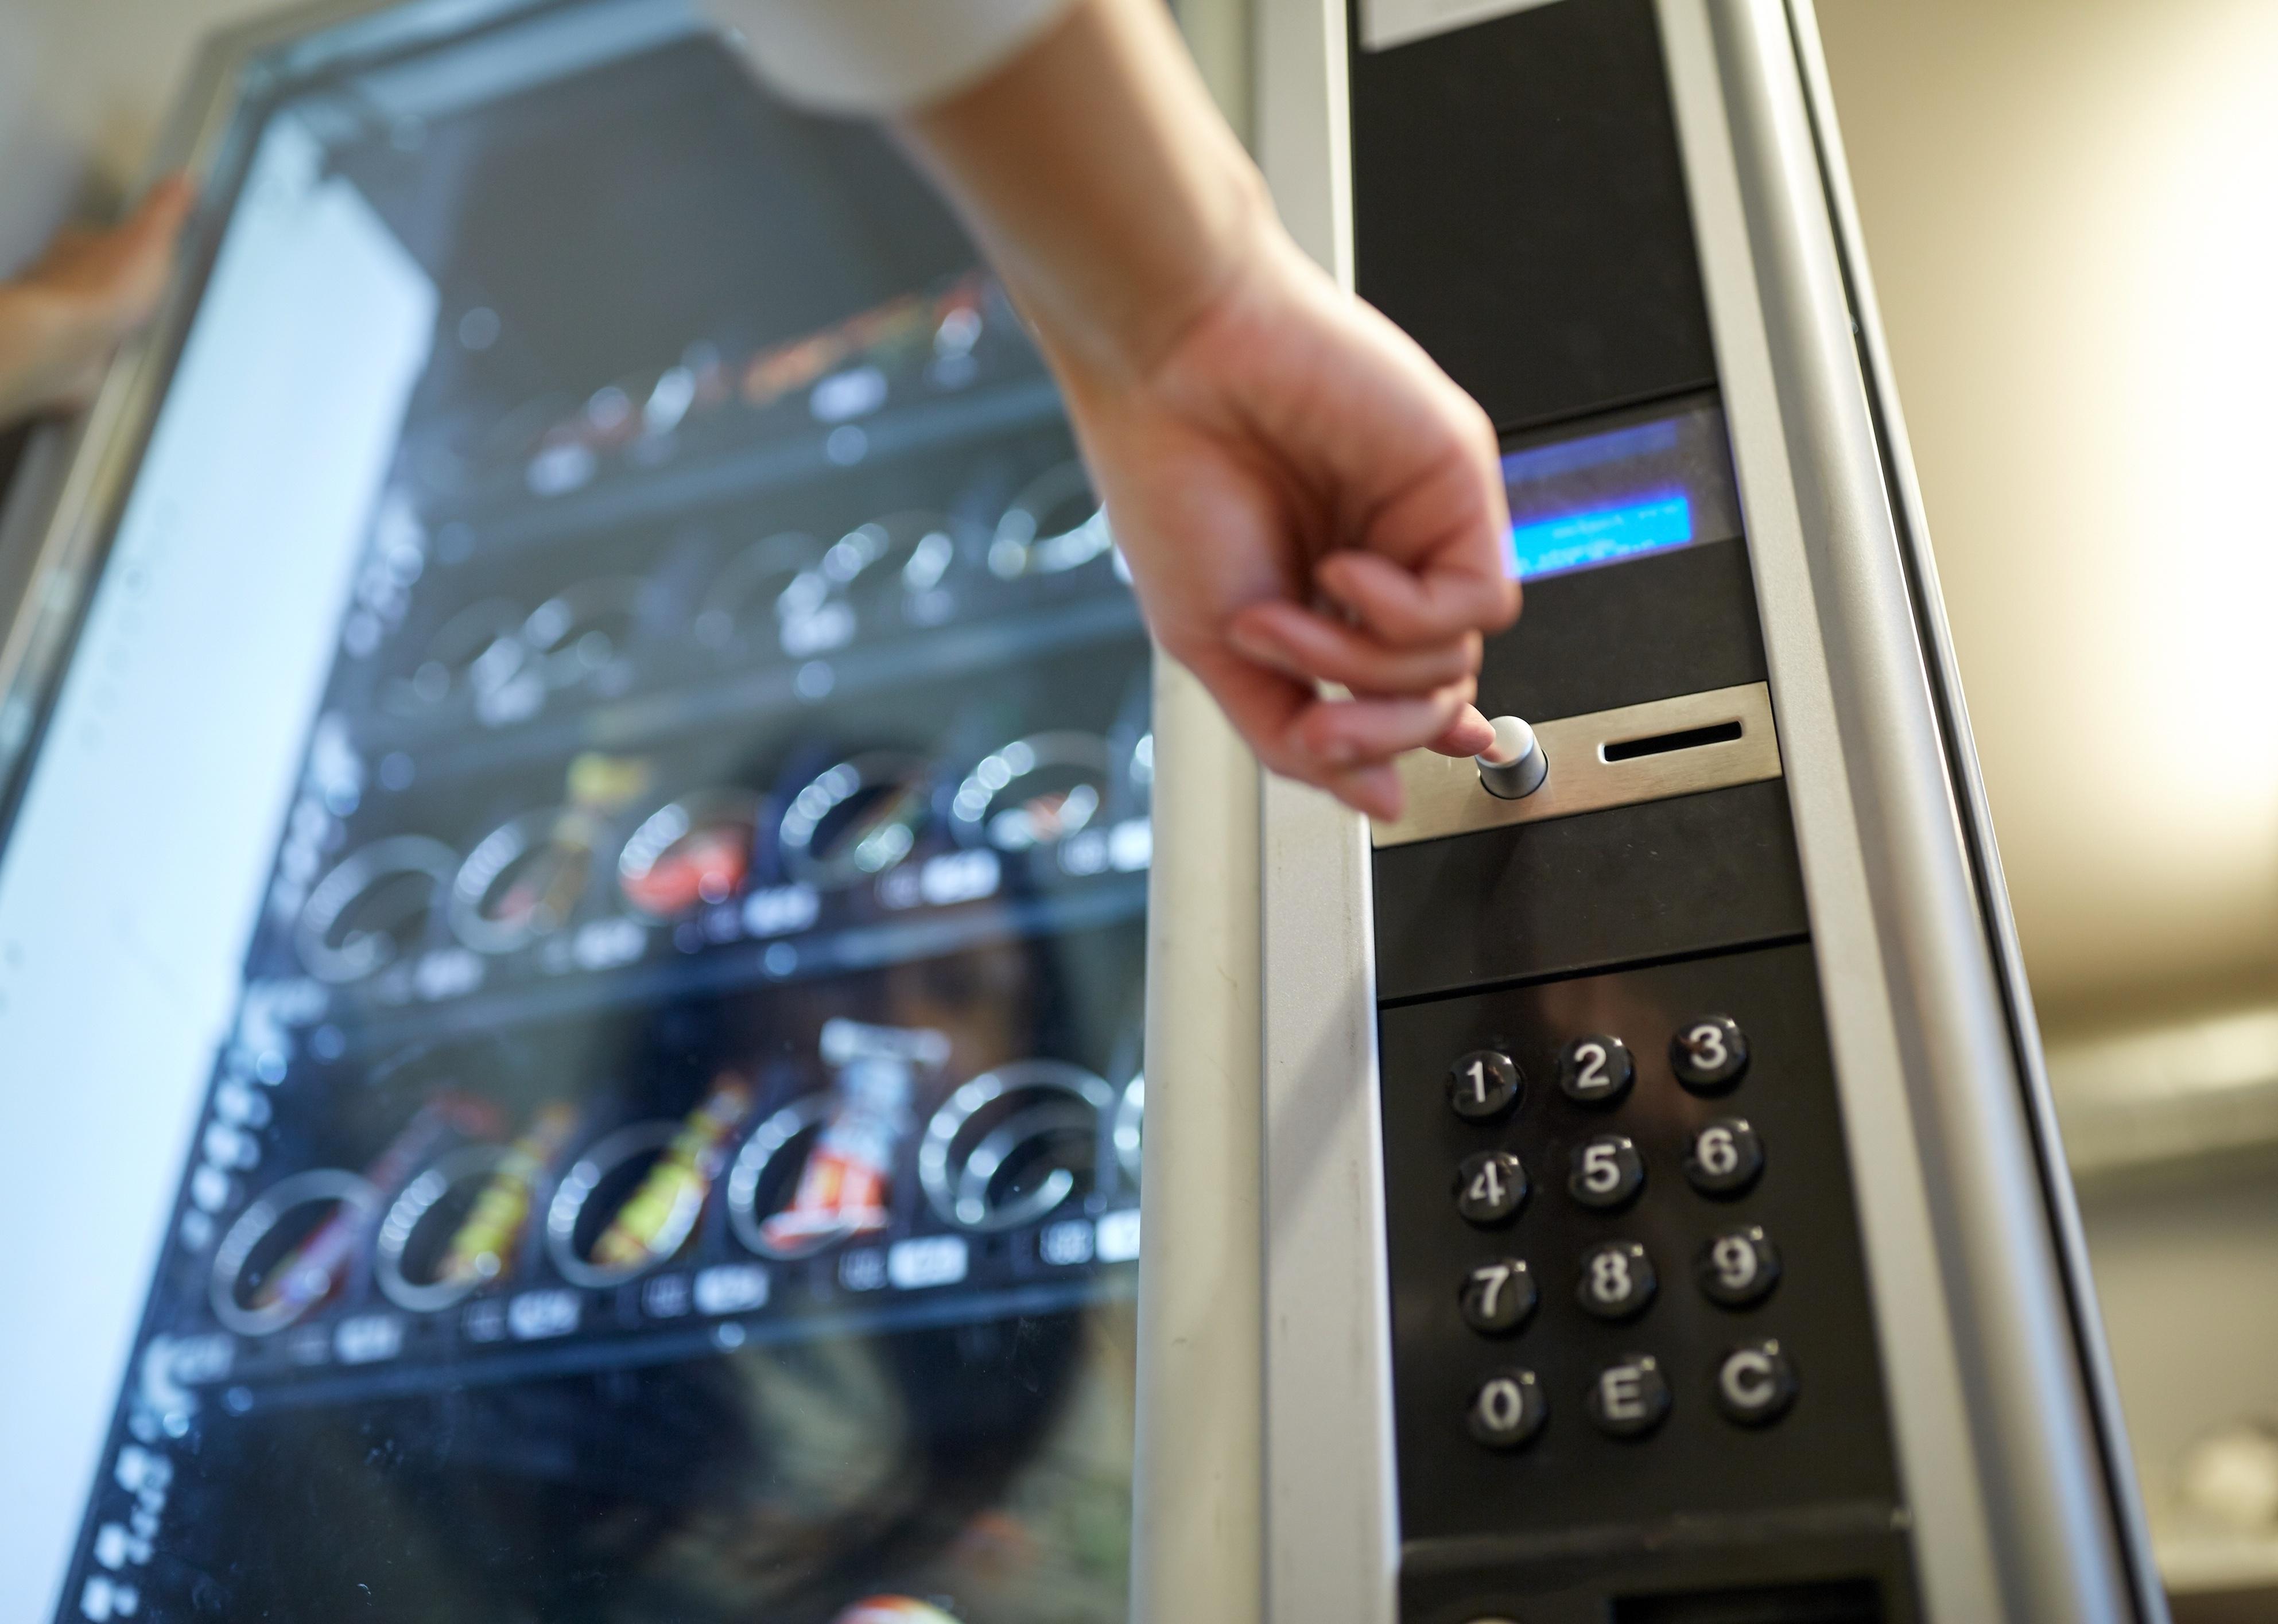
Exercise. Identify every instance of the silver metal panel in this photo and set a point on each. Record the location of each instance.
(1993, 1421)
(1978, 826)
(1444, 795)
(1332, 1520)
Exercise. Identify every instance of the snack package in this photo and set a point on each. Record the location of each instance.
(843, 1186)
(482, 1249)
(657, 1217)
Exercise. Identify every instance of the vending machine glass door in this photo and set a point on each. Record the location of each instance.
(588, 858)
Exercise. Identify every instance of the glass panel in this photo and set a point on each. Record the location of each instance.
(615, 699)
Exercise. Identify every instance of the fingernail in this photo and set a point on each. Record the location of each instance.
(1254, 648)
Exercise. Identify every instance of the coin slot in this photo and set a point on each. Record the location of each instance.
(1667, 744)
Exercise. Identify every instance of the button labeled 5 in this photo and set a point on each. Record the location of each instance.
(1607, 1172)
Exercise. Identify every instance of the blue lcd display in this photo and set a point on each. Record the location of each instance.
(1580, 500)
(1599, 536)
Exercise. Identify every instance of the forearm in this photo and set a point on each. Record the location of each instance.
(1099, 177)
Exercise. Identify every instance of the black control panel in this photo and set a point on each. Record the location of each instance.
(1635, 1364)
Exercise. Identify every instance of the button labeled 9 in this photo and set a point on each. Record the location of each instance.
(1483, 1085)
(1739, 1267)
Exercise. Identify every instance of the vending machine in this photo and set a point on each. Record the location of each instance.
(587, 869)
(596, 863)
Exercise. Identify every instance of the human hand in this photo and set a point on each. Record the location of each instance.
(1303, 497)
(60, 319)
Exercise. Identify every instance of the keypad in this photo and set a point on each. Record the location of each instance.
(1490, 1187)
(1656, 1233)
(1615, 1278)
(1607, 1172)
(1499, 1297)
(1484, 1085)
(1596, 1069)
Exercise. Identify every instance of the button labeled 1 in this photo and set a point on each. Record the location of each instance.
(1490, 1187)
(1606, 1171)
(1755, 1384)
(1617, 1280)
(1507, 1410)
(1483, 1085)
(1596, 1069)
(1725, 1157)
(1630, 1398)
(1498, 1297)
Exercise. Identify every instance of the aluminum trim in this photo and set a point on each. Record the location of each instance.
(1989, 1402)
(1330, 1506)
(1446, 797)
(1977, 826)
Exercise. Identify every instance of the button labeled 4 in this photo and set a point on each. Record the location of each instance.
(1490, 1187)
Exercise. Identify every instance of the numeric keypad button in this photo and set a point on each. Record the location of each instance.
(1617, 1280)
(1498, 1298)
(1507, 1410)
(1629, 1397)
(1755, 1384)
(1725, 1158)
(1490, 1187)
(1739, 1267)
(1483, 1085)
(1606, 1171)
(1708, 1053)
(1597, 1070)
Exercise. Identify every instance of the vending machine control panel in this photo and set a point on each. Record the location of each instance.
(1634, 1362)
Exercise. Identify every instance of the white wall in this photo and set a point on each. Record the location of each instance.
(84, 85)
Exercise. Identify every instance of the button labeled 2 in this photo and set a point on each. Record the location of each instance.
(1483, 1085)
(1596, 1069)
(1490, 1187)
(1607, 1172)
(1507, 1410)
(1617, 1280)
(1498, 1298)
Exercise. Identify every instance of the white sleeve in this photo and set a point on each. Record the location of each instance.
(879, 56)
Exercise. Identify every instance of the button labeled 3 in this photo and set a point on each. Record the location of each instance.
(1596, 1069)
(1617, 1280)
(1483, 1085)
(1629, 1398)
(1606, 1171)
(1490, 1187)
(1498, 1298)
(1755, 1384)
(1725, 1157)
(1708, 1053)
(1507, 1410)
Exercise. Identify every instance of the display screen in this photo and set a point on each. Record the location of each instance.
(1603, 494)
(604, 798)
